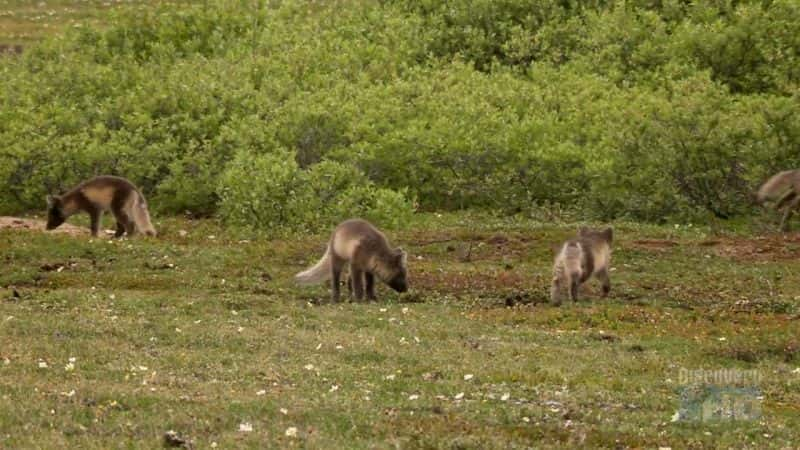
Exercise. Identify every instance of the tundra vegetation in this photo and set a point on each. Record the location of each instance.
(472, 132)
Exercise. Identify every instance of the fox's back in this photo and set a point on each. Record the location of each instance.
(779, 183)
(355, 233)
(104, 189)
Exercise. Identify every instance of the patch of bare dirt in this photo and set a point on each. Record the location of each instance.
(763, 248)
(461, 282)
(10, 49)
(654, 244)
(18, 223)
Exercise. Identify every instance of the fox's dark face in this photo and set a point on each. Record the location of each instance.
(55, 215)
(398, 282)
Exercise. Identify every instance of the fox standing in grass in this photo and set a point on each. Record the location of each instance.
(359, 243)
(784, 188)
(580, 258)
(100, 194)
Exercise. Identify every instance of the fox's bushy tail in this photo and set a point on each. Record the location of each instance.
(141, 216)
(778, 185)
(318, 273)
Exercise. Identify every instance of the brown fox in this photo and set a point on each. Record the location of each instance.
(784, 188)
(580, 258)
(100, 194)
(359, 243)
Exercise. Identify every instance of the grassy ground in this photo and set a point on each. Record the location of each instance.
(25, 21)
(113, 343)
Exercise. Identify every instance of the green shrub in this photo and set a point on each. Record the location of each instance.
(655, 111)
(271, 192)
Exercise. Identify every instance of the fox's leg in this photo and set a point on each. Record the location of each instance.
(555, 292)
(370, 281)
(124, 222)
(358, 283)
(336, 273)
(605, 280)
(95, 214)
(120, 229)
(789, 210)
(574, 284)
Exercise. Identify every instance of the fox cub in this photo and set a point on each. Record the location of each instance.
(578, 259)
(784, 189)
(100, 194)
(367, 250)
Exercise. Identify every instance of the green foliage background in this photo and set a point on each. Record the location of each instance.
(649, 110)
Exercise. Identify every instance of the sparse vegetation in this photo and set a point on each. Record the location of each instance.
(199, 335)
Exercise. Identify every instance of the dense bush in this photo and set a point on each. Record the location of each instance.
(296, 114)
(271, 191)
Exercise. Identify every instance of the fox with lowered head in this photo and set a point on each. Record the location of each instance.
(578, 259)
(100, 194)
(367, 250)
(784, 189)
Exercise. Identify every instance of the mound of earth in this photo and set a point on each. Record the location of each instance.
(18, 223)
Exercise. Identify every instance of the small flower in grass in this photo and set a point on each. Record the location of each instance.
(42, 365)
(526, 419)
(505, 397)
(240, 329)
(797, 370)
(309, 367)
(389, 377)
(69, 367)
(284, 411)
(291, 432)
(459, 396)
(112, 296)
(468, 377)
(334, 388)
(413, 397)
(405, 310)
(261, 392)
(245, 427)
